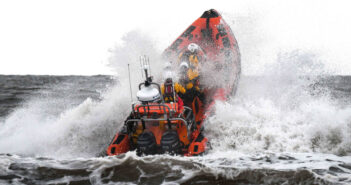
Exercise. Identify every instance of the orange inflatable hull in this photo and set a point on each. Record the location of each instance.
(217, 40)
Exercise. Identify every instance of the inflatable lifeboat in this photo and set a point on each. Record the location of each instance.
(157, 126)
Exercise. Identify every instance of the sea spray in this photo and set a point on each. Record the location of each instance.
(279, 112)
(135, 44)
(79, 131)
(50, 127)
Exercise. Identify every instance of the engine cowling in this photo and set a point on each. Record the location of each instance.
(146, 144)
(170, 143)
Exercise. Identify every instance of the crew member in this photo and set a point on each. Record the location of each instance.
(189, 74)
(170, 92)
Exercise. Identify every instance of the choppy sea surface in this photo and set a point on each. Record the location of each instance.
(275, 130)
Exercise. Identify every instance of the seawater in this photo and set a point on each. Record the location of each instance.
(277, 129)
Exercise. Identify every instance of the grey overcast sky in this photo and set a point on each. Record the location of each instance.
(61, 37)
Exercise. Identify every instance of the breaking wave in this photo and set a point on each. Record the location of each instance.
(283, 111)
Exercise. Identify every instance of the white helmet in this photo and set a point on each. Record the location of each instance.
(193, 47)
(167, 71)
(184, 65)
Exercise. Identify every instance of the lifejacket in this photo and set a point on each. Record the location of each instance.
(194, 57)
(178, 89)
(194, 61)
(168, 89)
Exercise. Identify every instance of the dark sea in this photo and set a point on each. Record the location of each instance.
(275, 130)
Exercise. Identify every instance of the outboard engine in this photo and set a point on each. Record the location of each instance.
(170, 143)
(146, 144)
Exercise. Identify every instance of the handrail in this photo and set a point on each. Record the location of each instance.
(186, 108)
(159, 119)
(148, 106)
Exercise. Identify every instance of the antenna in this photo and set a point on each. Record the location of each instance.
(148, 61)
(141, 66)
(130, 85)
(145, 68)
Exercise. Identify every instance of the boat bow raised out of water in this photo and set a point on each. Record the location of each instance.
(156, 126)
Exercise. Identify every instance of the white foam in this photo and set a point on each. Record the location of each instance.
(277, 112)
(79, 131)
(84, 130)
